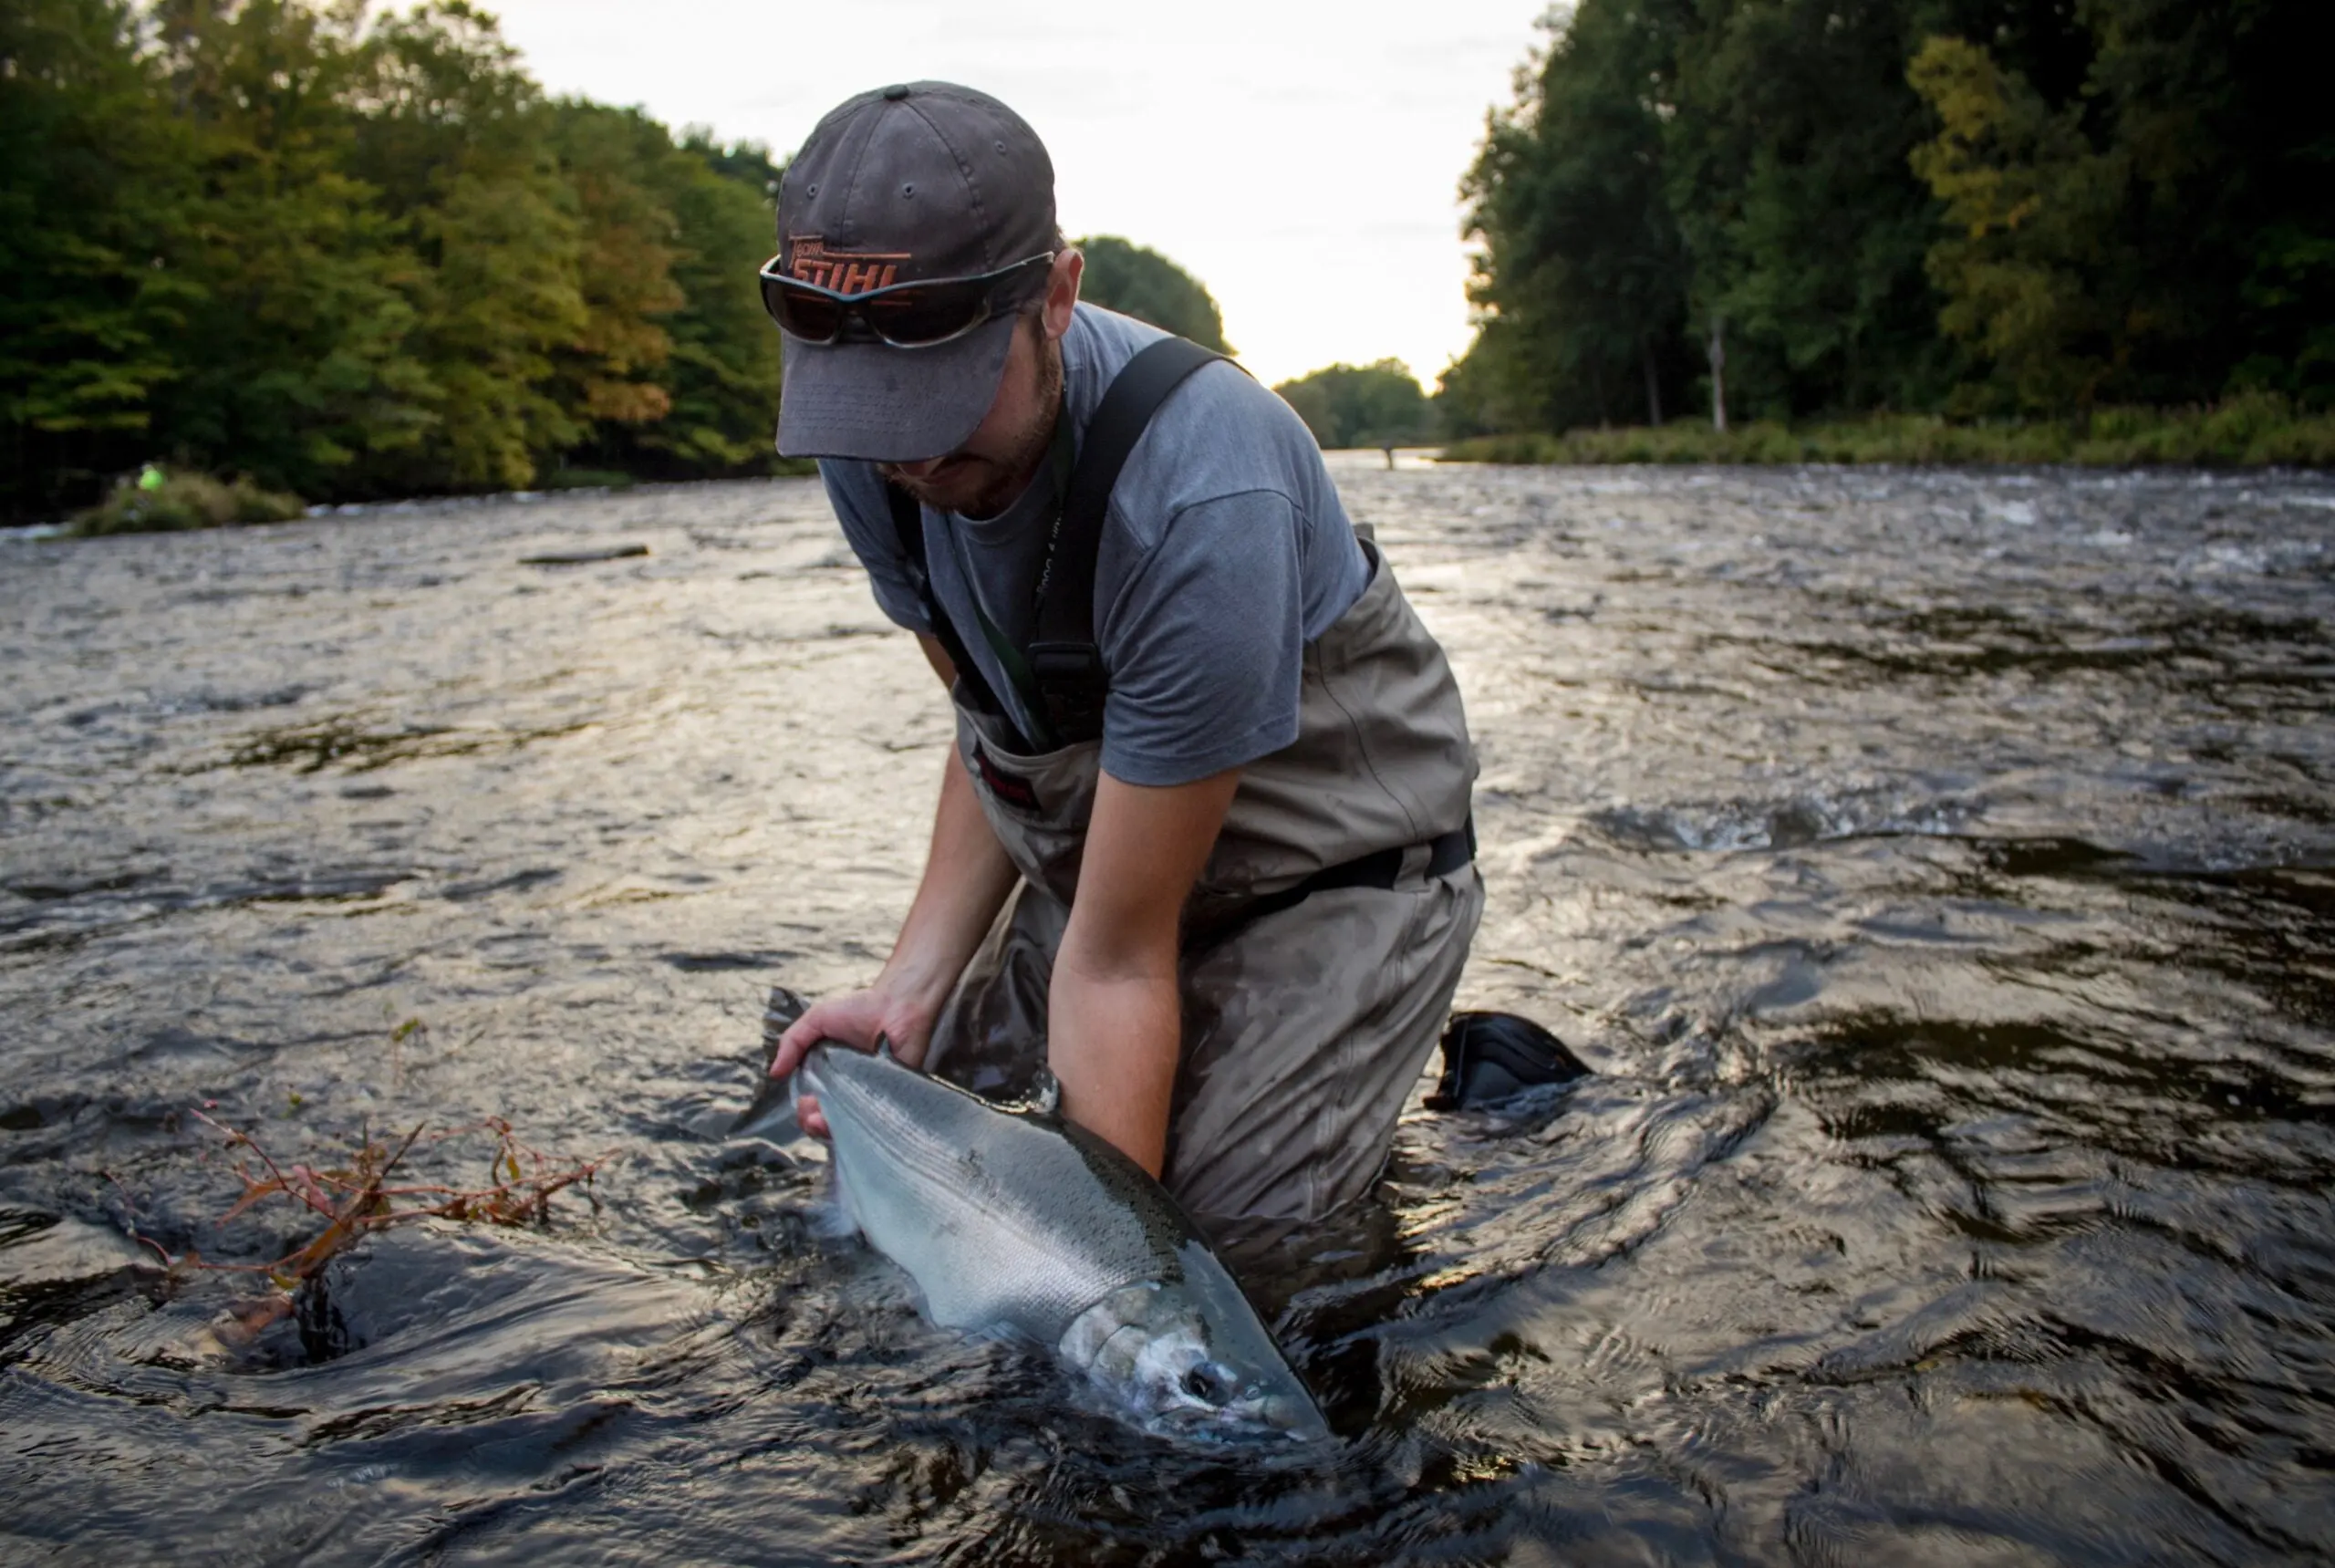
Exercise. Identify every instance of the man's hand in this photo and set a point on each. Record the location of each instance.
(855, 1019)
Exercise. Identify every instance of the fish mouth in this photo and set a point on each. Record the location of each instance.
(1291, 1417)
(1297, 1418)
(1276, 1418)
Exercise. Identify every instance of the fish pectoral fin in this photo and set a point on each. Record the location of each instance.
(771, 1117)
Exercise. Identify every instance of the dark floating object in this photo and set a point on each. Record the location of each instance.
(749, 958)
(1488, 1057)
(585, 558)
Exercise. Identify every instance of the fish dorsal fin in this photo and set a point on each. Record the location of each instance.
(1046, 1095)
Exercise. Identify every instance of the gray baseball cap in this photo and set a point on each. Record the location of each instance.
(925, 180)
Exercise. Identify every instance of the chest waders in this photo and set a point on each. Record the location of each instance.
(1324, 936)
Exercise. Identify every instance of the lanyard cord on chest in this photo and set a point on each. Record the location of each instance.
(1060, 457)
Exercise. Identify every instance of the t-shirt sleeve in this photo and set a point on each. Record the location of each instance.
(1205, 644)
(855, 491)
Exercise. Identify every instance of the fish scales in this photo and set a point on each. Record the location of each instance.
(985, 1254)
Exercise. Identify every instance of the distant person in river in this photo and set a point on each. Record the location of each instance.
(1204, 845)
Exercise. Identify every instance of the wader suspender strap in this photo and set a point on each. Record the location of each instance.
(1064, 659)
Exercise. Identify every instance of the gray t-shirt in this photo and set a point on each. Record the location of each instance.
(1224, 551)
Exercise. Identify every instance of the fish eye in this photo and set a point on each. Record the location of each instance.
(1206, 1384)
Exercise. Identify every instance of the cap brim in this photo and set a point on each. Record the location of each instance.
(882, 404)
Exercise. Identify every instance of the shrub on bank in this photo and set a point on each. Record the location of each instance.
(585, 479)
(186, 501)
(2250, 429)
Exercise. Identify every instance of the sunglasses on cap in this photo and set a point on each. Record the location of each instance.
(920, 315)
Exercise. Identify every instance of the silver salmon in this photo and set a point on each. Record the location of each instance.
(1015, 1219)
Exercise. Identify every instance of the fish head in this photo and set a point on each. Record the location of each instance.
(1182, 1366)
(1184, 1384)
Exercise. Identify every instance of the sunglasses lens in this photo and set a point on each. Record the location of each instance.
(912, 317)
(812, 317)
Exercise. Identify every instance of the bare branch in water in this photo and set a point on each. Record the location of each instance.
(355, 1198)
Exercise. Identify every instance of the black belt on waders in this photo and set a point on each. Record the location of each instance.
(1064, 663)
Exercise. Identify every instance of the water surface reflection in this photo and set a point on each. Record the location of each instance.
(1939, 867)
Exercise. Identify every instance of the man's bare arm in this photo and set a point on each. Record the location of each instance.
(1115, 1027)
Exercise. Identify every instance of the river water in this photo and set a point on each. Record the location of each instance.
(1939, 868)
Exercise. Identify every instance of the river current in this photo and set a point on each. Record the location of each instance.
(1939, 868)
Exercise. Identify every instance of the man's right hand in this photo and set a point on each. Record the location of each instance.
(856, 1019)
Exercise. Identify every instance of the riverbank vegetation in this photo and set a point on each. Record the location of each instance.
(2252, 430)
(155, 503)
(1925, 229)
(1379, 404)
(356, 257)
(1136, 280)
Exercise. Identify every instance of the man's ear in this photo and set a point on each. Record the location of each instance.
(1062, 291)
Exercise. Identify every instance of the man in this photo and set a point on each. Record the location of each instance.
(1204, 746)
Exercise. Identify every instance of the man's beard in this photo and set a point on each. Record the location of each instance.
(998, 480)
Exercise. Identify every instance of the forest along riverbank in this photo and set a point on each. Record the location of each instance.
(2248, 432)
(1939, 867)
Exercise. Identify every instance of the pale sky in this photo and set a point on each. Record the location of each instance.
(1302, 158)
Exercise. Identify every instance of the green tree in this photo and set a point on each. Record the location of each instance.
(616, 161)
(357, 257)
(2157, 225)
(1378, 404)
(2033, 204)
(459, 142)
(1139, 282)
(94, 180)
(1458, 406)
(1785, 147)
(723, 377)
(1581, 283)
(716, 376)
(290, 361)
(1972, 204)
